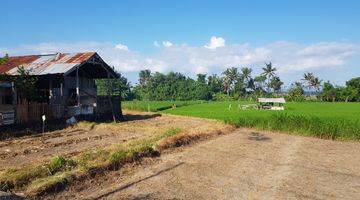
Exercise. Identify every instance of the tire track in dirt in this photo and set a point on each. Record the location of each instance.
(283, 170)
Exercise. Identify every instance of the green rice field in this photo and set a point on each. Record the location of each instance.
(320, 119)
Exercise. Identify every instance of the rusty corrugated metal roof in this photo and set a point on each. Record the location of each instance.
(58, 63)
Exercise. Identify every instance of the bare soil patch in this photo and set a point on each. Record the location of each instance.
(71, 141)
(245, 164)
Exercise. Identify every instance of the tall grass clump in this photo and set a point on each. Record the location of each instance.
(17, 178)
(59, 163)
(92, 159)
(118, 156)
(171, 132)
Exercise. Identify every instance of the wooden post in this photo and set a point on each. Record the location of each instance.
(50, 92)
(61, 90)
(61, 107)
(77, 86)
(120, 111)
(14, 100)
(109, 97)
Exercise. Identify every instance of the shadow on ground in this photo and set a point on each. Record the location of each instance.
(134, 117)
(136, 182)
(258, 137)
(34, 129)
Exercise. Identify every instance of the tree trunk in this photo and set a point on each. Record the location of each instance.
(120, 97)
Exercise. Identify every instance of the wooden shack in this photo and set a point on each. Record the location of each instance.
(6, 106)
(65, 87)
(272, 103)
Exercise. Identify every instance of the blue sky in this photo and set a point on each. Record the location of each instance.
(317, 36)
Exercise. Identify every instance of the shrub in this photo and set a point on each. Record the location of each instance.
(117, 156)
(171, 132)
(59, 163)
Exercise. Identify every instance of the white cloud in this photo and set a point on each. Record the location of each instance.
(156, 43)
(167, 44)
(121, 47)
(201, 70)
(164, 43)
(215, 42)
(287, 57)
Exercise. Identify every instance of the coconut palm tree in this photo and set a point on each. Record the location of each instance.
(144, 76)
(298, 84)
(246, 77)
(269, 73)
(246, 73)
(269, 70)
(259, 82)
(316, 83)
(276, 84)
(230, 75)
(308, 78)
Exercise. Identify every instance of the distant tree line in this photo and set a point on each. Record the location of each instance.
(239, 83)
(348, 93)
(233, 83)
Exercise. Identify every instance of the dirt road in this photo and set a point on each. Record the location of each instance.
(241, 165)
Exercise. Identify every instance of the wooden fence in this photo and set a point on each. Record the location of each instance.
(33, 112)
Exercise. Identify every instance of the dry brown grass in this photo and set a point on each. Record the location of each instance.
(186, 139)
(158, 134)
